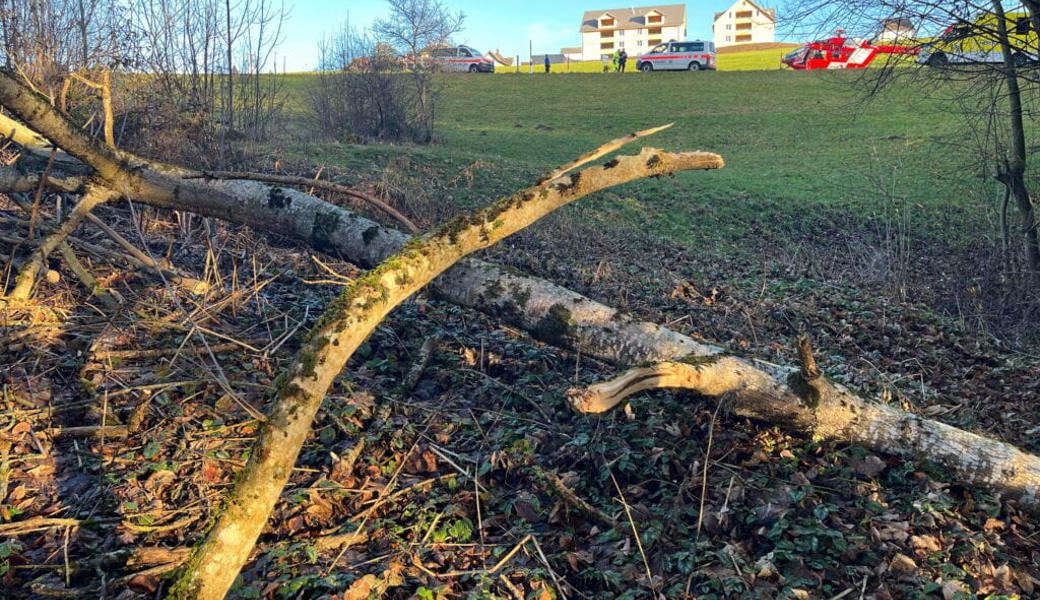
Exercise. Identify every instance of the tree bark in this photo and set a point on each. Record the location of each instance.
(1015, 171)
(816, 407)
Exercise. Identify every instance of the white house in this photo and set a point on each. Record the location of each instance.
(634, 30)
(744, 23)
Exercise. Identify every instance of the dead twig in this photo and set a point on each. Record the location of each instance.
(419, 367)
(557, 485)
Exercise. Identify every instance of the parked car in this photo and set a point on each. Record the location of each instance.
(678, 56)
(977, 42)
(459, 58)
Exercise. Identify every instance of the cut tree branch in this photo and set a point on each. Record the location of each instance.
(825, 410)
(348, 322)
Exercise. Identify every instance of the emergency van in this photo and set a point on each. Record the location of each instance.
(978, 41)
(678, 56)
(458, 58)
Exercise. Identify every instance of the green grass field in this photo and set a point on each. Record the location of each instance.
(802, 150)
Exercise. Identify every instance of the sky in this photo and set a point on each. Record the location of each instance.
(489, 25)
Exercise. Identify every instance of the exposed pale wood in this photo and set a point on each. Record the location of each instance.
(828, 411)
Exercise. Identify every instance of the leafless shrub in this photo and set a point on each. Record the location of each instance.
(361, 93)
(413, 26)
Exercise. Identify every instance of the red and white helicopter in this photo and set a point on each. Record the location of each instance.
(840, 52)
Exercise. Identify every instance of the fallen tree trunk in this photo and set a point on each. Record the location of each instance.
(811, 405)
(549, 312)
(348, 322)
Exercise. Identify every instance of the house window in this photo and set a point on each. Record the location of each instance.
(728, 38)
(743, 38)
(621, 44)
(621, 33)
(729, 26)
(745, 14)
(639, 43)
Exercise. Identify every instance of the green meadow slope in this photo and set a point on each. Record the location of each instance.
(801, 148)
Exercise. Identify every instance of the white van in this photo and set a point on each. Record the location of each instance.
(678, 56)
(459, 58)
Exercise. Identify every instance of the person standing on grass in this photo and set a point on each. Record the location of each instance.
(622, 59)
(546, 63)
(615, 60)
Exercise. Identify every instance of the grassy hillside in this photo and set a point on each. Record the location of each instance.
(800, 147)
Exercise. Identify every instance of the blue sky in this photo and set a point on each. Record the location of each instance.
(506, 26)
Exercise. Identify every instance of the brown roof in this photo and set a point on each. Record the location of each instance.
(634, 18)
(769, 12)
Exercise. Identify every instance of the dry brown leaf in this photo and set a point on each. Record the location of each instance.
(211, 472)
(902, 563)
(17, 494)
(925, 543)
(360, 589)
(144, 584)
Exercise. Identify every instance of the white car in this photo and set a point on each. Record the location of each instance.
(678, 56)
(459, 58)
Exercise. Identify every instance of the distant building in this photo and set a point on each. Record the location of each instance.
(634, 30)
(744, 23)
(896, 29)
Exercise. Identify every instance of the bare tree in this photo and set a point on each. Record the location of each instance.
(413, 26)
(991, 91)
(361, 93)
